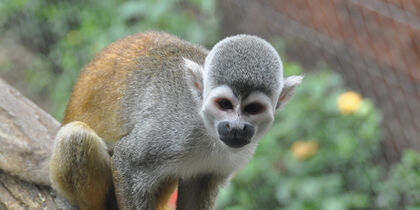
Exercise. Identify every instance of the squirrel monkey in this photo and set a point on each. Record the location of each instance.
(152, 112)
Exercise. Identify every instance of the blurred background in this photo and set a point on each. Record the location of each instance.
(349, 139)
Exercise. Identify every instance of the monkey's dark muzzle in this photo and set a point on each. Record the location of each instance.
(235, 134)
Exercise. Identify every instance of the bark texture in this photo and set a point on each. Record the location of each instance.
(26, 140)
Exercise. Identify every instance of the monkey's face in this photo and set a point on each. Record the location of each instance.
(239, 88)
(236, 120)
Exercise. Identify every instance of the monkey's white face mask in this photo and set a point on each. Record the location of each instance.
(233, 119)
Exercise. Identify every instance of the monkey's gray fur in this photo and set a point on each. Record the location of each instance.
(167, 134)
(245, 63)
(169, 112)
(168, 138)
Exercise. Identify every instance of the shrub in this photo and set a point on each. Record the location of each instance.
(402, 187)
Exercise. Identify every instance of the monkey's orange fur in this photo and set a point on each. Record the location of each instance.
(103, 81)
(84, 180)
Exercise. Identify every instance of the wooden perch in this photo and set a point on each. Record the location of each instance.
(26, 140)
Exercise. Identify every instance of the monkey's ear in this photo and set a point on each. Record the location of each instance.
(194, 73)
(290, 84)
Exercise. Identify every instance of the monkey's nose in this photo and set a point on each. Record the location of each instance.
(235, 133)
(234, 125)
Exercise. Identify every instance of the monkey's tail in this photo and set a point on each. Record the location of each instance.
(80, 167)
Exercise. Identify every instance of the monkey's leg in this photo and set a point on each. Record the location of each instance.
(80, 166)
(139, 169)
(198, 192)
(135, 186)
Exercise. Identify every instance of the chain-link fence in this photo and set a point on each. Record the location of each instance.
(374, 44)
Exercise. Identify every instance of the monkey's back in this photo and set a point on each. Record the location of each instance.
(99, 97)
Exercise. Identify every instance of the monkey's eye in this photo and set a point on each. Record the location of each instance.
(224, 104)
(254, 108)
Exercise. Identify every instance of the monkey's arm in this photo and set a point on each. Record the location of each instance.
(133, 187)
(140, 172)
(199, 192)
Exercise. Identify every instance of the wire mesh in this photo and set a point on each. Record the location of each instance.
(374, 44)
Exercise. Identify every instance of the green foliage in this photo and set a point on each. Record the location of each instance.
(65, 35)
(339, 175)
(403, 184)
(338, 172)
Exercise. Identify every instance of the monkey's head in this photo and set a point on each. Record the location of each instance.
(240, 88)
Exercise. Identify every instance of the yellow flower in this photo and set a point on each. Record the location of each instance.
(349, 102)
(301, 150)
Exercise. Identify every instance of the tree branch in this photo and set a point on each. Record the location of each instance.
(26, 140)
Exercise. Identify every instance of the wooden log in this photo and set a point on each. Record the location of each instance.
(26, 140)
